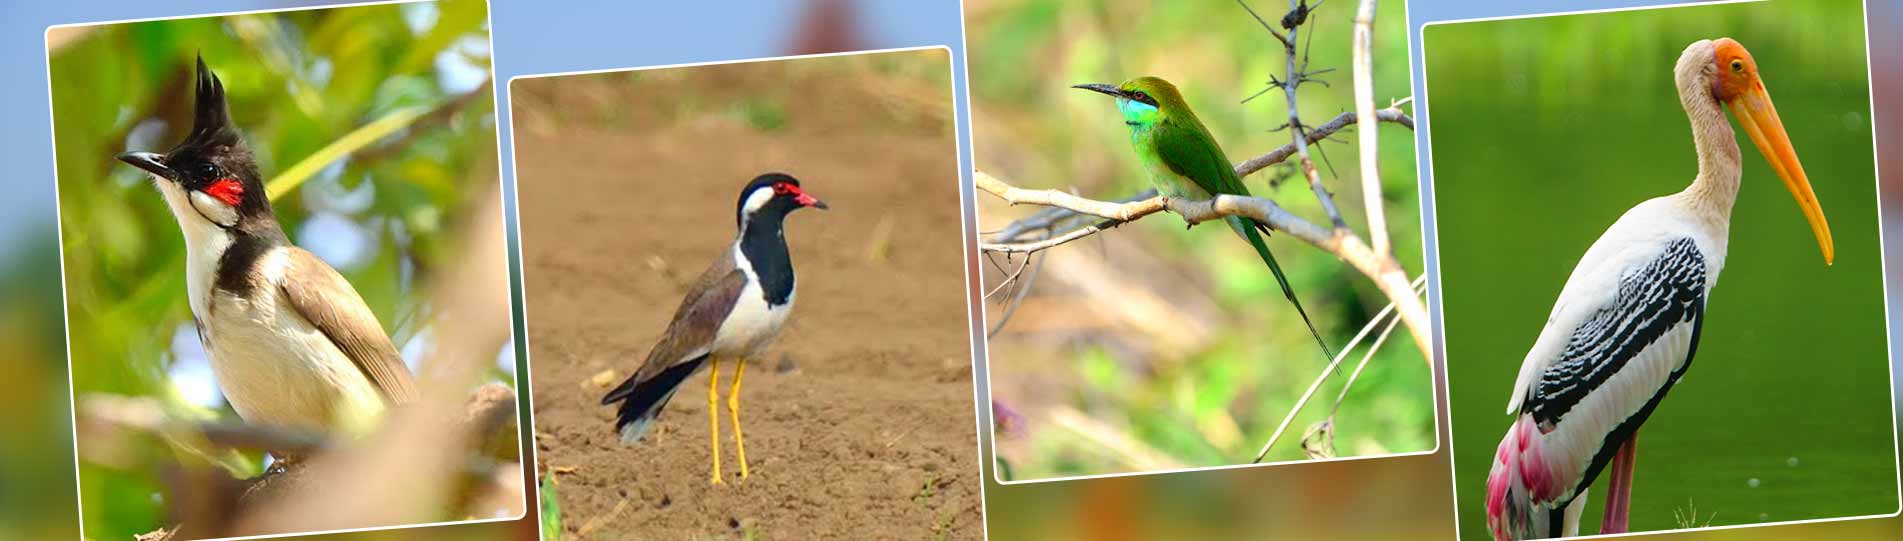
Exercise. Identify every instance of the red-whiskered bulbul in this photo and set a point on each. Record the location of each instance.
(733, 311)
(290, 341)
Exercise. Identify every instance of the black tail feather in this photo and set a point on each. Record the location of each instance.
(642, 401)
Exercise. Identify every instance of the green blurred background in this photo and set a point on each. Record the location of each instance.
(375, 129)
(1204, 374)
(1545, 130)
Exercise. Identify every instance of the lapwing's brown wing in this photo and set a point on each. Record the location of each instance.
(329, 303)
(696, 320)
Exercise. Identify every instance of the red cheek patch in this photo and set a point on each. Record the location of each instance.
(228, 190)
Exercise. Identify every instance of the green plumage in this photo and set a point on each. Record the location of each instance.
(1183, 160)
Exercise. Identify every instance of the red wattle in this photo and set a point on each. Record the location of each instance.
(228, 190)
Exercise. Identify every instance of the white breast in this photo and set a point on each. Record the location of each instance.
(752, 324)
(277, 368)
(205, 242)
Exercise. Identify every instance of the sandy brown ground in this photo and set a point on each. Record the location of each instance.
(859, 420)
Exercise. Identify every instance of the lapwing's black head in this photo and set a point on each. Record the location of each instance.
(211, 173)
(770, 197)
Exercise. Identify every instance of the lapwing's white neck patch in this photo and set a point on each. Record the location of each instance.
(755, 201)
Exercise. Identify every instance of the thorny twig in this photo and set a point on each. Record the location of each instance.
(1008, 279)
(1297, 74)
(1017, 299)
(1282, 153)
(1265, 24)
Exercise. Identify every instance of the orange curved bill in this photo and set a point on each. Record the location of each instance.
(1759, 118)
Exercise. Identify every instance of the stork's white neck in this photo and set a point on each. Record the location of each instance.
(1716, 187)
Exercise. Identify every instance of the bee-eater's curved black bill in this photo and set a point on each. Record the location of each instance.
(150, 162)
(1101, 88)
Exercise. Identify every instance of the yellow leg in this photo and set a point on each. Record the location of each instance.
(713, 414)
(733, 407)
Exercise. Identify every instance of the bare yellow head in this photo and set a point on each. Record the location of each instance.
(1738, 86)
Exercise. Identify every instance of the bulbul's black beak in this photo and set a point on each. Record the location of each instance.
(151, 162)
(1102, 88)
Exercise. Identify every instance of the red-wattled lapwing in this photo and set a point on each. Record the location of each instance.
(733, 311)
(290, 342)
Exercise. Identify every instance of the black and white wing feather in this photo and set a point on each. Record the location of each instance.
(1618, 358)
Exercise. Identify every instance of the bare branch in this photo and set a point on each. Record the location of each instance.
(1364, 107)
(1031, 247)
(1326, 428)
(1052, 217)
(1053, 198)
(1017, 299)
(1339, 356)
(1011, 278)
(1363, 365)
(1386, 274)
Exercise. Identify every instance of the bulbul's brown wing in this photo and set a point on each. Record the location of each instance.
(328, 302)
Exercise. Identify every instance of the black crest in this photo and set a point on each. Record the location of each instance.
(211, 117)
(214, 149)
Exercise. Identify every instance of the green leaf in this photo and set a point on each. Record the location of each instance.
(551, 510)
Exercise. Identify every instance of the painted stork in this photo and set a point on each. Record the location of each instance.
(1627, 322)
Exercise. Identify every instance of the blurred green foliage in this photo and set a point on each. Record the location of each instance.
(374, 127)
(1218, 404)
(36, 481)
(1545, 130)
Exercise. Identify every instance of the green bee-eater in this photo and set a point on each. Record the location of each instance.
(1183, 160)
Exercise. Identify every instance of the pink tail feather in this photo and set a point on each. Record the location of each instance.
(1521, 487)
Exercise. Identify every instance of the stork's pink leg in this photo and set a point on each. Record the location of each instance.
(1619, 489)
